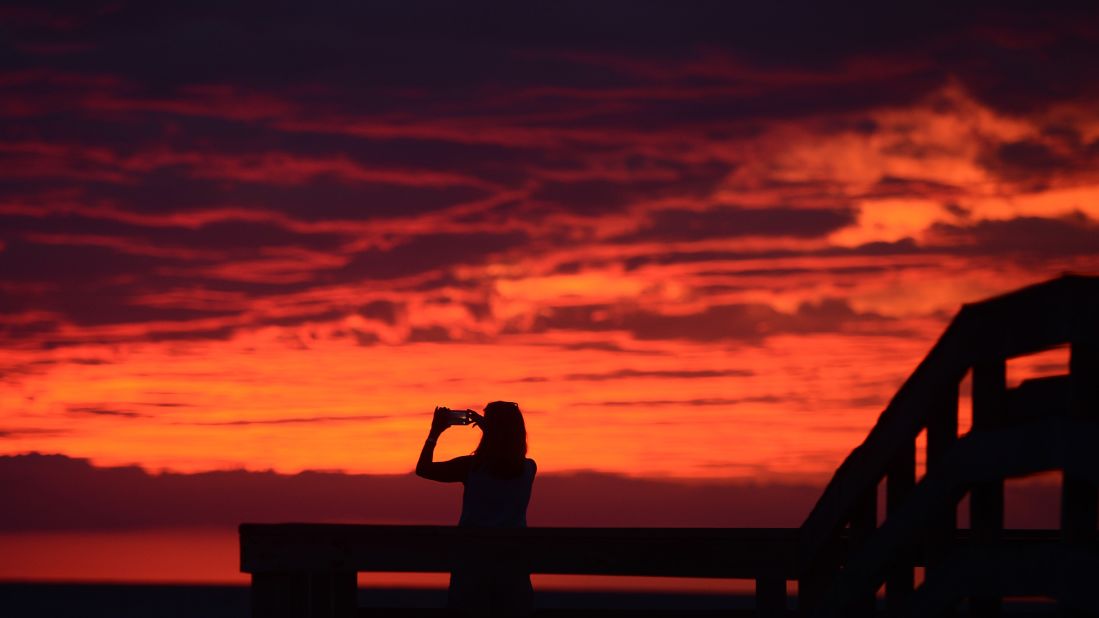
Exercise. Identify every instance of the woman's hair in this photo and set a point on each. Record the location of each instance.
(503, 446)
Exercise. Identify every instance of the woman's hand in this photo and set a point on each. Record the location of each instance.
(476, 419)
(439, 422)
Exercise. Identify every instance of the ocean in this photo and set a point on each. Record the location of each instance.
(54, 600)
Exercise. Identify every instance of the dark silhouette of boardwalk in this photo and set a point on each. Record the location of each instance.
(841, 556)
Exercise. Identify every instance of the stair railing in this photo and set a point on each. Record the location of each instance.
(980, 339)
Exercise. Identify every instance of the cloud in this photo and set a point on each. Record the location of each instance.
(701, 402)
(183, 60)
(727, 221)
(601, 196)
(315, 197)
(1028, 237)
(303, 420)
(735, 322)
(29, 432)
(1022, 66)
(97, 284)
(621, 374)
(381, 310)
(1034, 163)
(424, 253)
(366, 338)
(1028, 156)
(89, 361)
(103, 411)
(180, 149)
(54, 492)
(429, 334)
(904, 246)
(900, 187)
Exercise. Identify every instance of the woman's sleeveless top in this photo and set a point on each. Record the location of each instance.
(489, 502)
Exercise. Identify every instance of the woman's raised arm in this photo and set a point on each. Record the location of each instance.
(452, 471)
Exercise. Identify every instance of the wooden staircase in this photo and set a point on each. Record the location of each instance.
(1041, 425)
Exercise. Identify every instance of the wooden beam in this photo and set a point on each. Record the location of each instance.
(986, 501)
(942, 435)
(1079, 498)
(741, 553)
(770, 597)
(900, 581)
(1080, 495)
(304, 594)
(864, 522)
(986, 498)
(813, 582)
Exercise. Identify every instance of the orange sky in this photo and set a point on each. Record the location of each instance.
(789, 409)
(666, 302)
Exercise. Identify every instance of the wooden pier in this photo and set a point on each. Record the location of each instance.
(846, 552)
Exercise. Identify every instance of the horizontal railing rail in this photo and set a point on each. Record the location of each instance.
(309, 569)
(734, 553)
(747, 553)
(306, 569)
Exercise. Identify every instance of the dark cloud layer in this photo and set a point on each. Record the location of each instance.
(621, 374)
(737, 322)
(714, 401)
(724, 221)
(53, 492)
(1035, 163)
(643, 374)
(303, 420)
(95, 285)
(154, 153)
(600, 196)
(103, 411)
(1034, 237)
(428, 252)
(401, 43)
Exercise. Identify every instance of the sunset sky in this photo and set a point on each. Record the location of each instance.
(697, 242)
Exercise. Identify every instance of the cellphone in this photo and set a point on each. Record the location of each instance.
(458, 417)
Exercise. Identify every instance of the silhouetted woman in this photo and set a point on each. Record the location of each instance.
(498, 477)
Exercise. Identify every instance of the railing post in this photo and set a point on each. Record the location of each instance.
(278, 595)
(986, 500)
(898, 485)
(304, 594)
(1079, 496)
(770, 597)
(864, 521)
(813, 583)
(942, 433)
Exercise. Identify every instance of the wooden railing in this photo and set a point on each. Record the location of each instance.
(979, 459)
(980, 339)
(840, 556)
(309, 569)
